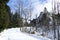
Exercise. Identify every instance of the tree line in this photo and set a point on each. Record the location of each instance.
(8, 19)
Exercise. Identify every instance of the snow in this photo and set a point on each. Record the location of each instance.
(16, 34)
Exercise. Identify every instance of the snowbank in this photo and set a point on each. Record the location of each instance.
(15, 34)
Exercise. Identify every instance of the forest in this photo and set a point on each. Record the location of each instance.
(22, 18)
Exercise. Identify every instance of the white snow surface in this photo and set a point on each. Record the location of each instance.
(16, 34)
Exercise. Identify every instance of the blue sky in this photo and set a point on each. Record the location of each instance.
(38, 5)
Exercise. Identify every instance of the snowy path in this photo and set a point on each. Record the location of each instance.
(15, 34)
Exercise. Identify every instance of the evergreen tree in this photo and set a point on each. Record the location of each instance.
(17, 20)
(44, 20)
(4, 14)
(10, 20)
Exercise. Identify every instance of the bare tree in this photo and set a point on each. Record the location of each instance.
(26, 15)
(53, 16)
(36, 22)
(19, 8)
(58, 19)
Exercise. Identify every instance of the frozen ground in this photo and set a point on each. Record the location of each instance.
(15, 34)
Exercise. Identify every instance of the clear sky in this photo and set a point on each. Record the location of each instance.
(38, 5)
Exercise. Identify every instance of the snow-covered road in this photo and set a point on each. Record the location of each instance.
(15, 34)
